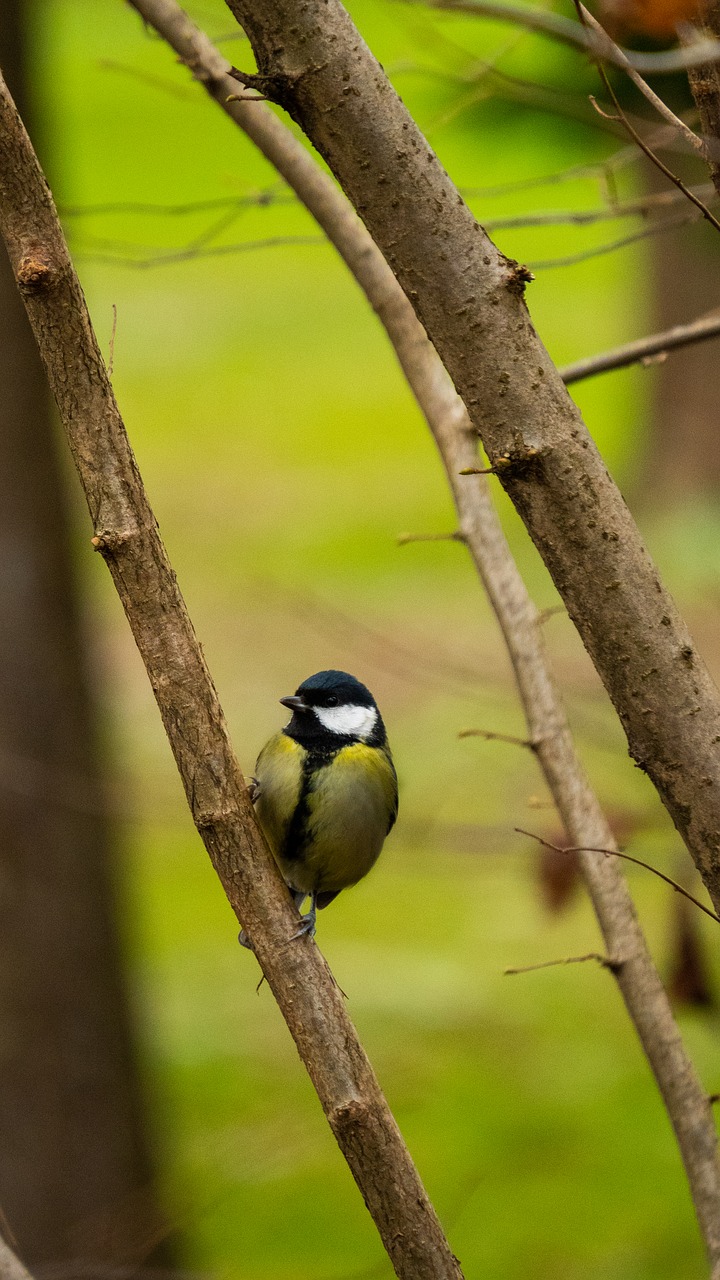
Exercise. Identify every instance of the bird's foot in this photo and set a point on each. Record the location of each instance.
(244, 940)
(307, 922)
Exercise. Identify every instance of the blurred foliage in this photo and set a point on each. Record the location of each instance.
(283, 456)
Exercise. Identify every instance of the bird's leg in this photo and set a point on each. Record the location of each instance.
(307, 922)
(298, 896)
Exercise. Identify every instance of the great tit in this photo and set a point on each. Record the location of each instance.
(326, 790)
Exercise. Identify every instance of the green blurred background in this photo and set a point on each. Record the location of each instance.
(283, 455)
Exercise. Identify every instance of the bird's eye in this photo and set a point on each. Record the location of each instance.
(332, 701)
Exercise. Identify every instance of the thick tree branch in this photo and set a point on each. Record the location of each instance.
(469, 297)
(643, 349)
(127, 536)
(480, 529)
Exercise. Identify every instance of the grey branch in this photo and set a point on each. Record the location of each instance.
(127, 536)
(480, 529)
(469, 297)
(557, 27)
(643, 349)
(610, 52)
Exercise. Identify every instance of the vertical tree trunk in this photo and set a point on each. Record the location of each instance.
(72, 1156)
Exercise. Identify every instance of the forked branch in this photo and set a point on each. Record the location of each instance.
(469, 297)
(480, 529)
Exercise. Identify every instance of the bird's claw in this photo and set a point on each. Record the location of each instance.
(307, 926)
(244, 940)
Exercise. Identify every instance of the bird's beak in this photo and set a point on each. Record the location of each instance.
(295, 703)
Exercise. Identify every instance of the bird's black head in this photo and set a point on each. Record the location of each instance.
(334, 707)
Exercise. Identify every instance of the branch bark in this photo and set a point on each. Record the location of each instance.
(127, 536)
(705, 85)
(469, 297)
(480, 529)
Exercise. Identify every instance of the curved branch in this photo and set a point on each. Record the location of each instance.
(557, 27)
(127, 536)
(480, 529)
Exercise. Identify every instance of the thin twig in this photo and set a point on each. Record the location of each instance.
(604, 961)
(127, 536)
(111, 349)
(404, 538)
(490, 736)
(610, 51)
(262, 199)
(643, 349)
(612, 246)
(644, 147)
(608, 213)
(456, 439)
(652, 155)
(616, 853)
(192, 253)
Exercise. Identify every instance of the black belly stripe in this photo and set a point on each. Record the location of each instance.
(297, 832)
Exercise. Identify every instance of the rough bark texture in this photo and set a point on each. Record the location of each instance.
(72, 1150)
(469, 297)
(705, 85)
(447, 418)
(126, 534)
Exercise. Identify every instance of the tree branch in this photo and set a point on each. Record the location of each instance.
(312, 61)
(480, 529)
(609, 51)
(126, 534)
(643, 349)
(705, 85)
(566, 31)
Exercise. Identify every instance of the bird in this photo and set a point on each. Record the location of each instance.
(325, 790)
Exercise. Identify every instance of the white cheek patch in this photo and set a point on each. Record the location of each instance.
(357, 722)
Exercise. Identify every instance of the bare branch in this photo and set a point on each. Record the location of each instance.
(641, 208)
(609, 51)
(151, 260)
(643, 350)
(611, 246)
(616, 853)
(480, 529)
(490, 736)
(126, 534)
(648, 151)
(563, 29)
(470, 298)
(404, 538)
(604, 961)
